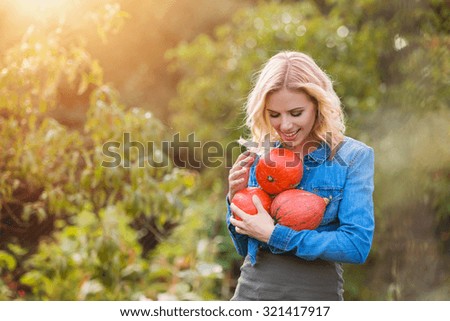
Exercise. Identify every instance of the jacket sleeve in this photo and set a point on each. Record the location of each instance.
(351, 241)
(240, 241)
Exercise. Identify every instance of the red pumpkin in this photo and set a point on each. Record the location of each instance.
(298, 209)
(279, 170)
(243, 200)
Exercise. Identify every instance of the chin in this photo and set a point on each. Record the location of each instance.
(290, 145)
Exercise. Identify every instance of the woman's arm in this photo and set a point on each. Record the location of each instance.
(240, 241)
(238, 179)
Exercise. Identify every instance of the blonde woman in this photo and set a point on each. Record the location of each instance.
(294, 104)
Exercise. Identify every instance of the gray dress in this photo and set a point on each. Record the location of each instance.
(277, 277)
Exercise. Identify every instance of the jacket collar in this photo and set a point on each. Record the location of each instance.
(317, 156)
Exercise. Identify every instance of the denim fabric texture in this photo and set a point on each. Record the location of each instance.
(346, 231)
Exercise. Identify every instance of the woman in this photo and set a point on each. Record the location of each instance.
(293, 103)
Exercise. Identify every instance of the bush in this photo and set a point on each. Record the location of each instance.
(72, 227)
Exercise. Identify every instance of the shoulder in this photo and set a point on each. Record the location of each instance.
(351, 150)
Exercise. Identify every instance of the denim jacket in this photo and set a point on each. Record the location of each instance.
(346, 231)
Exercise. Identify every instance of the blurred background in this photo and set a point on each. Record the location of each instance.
(76, 74)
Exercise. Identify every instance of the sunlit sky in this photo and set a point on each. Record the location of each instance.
(32, 7)
(41, 4)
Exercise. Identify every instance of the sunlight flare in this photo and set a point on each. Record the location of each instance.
(40, 6)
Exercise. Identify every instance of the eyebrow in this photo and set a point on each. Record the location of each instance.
(293, 109)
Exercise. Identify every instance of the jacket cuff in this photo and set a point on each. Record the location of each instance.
(279, 240)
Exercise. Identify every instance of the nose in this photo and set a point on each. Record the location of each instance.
(286, 124)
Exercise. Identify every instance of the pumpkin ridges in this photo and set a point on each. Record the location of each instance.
(278, 170)
(298, 209)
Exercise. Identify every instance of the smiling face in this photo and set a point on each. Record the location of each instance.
(292, 114)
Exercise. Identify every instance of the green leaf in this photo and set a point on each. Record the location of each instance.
(17, 250)
(7, 261)
(32, 279)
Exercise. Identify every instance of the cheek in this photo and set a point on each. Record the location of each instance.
(309, 120)
(274, 122)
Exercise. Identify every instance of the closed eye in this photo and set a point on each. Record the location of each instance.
(275, 115)
(294, 113)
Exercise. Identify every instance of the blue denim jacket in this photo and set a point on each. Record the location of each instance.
(346, 231)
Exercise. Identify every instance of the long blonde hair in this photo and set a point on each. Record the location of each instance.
(294, 71)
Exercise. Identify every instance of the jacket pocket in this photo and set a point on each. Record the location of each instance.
(334, 195)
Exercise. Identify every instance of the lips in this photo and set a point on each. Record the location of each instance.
(289, 136)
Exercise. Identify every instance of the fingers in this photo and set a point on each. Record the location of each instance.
(234, 175)
(236, 182)
(258, 204)
(259, 226)
(239, 173)
(244, 155)
(241, 166)
(241, 160)
(235, 186)
(239, 226)
(237, 211)
(247, 161)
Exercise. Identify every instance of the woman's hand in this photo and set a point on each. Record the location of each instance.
(239, 173)
(259, 226)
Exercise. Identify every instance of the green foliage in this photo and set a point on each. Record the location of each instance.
(35, 70)
(96, 257)
(72, 228)
(217, 71)
(389, 62)
(197, 260)
(109, 20)
(75, 227)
